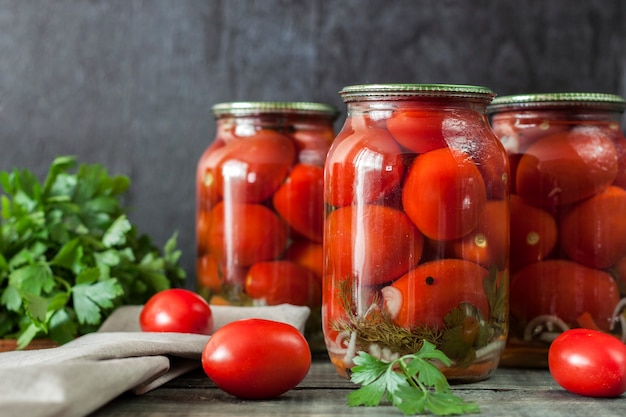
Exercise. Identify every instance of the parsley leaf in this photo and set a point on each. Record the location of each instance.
(69, 255)
(412, 383)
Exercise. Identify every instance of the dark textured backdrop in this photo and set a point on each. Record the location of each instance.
(130, 83)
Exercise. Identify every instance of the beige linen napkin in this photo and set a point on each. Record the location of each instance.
(77, 378)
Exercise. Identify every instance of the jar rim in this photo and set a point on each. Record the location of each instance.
(373, 92)
(249, 108)
(600, 101)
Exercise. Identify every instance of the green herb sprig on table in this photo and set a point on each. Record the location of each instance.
(412, 383)
(69, 255)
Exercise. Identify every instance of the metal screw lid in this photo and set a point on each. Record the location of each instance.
(249, 108)
(598, 101)
(373, 92)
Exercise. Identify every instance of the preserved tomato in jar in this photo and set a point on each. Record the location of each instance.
(416, 230)
(568, 217)
(260, 208)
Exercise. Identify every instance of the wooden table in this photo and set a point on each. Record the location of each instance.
(509, 392)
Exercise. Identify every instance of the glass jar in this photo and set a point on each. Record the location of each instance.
(416, 228)
(260, 207)
(568, 217)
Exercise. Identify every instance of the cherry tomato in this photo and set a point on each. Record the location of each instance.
(250, 233)
(426, 294)
(533, 233)
(444, 194)
(256, 359)
(487, 243)
(588, 362)
(176, 310)
(308, 254)
(366, 165)
(278, 282)
(420, 131)
(300, 201)
(375, 244)
(567, 167)
(565, 289)
(249, 169)
(592, 232)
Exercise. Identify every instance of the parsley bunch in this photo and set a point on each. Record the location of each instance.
(412, 383)
(69, 255)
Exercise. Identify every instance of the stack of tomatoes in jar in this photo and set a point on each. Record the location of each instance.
(568, 217)
(260, 205)
(416, 230)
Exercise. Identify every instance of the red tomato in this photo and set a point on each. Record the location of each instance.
(208, 271)
(249, 169)
(533, 233)
(203, 230)
(420, 131)
(567, 167)
(426, 294)
(444, 194)
(312, 145)
(620, 146)
(565, 289)
(278, 282)
(308, 254)
(517, 135)
(375, 244)
(487, 243)
(250, 233)
(592, 231)
(256, 359)
(300, 201)
(366, 165)
(588, 362)
(176, 310)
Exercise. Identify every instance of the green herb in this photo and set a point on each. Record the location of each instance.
(69, 255)
(412, 383)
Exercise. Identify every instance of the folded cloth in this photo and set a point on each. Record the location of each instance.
(75, 379)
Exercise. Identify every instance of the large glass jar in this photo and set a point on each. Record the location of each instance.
(416, 228)
(260, 207)
(568, 217)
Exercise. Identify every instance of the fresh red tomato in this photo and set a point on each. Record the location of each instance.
(487, 243)
(176, 310)
(249, 169)
(444, 194)
(420, 131)
(300, 201)
(533, 233)
(565, 289)
(278, 282)
(426, 294)
(588, 362)
(256, 359)
(592, 232)
(374, 244)
(249, 233)
(366, 165)
(567, 167)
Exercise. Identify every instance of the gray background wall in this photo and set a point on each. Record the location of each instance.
(130, 83)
